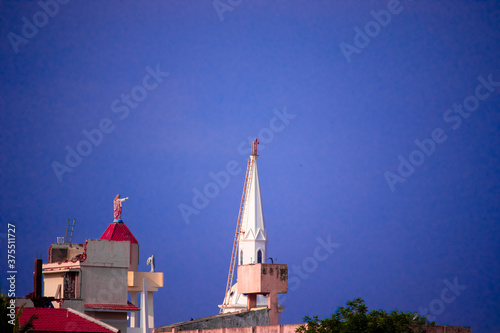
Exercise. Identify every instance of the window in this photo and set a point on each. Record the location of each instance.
(241, 257)
(70, 289)
(259, 257)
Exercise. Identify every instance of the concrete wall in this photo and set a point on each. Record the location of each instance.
(115, 319)
(262, 278)
(104, 285)
(245, 320)
(292, 328)
(102, 277)
(24, 301)
(276, 329)
(75, 304)
(248, 329)
(105, 272)
(65, 251)
(154, 280)
(445, 329)
(51, 283)
(134, 257)
(102, 252)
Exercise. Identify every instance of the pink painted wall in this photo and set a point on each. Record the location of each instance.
(292, 328)
(249, 329)
(446, 329)
(276, 329)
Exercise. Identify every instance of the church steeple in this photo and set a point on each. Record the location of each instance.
(253, 236)
(250, 241)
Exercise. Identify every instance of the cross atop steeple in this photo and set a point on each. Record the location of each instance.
(254, 147)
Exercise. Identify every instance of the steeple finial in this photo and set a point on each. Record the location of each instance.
(254, 147)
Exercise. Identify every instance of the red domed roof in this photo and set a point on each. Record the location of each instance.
(118, 231)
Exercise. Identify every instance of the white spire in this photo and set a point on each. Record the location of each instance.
(253, 236)
(252, 241)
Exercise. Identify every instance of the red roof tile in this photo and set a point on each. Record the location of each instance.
(128, 307)
(64, 320)
(118, 231)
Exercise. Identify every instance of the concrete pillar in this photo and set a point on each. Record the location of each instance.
(134, 315)
(272, 304)
(151, 313)
(144, 308)
(134, 257)
(251, 301)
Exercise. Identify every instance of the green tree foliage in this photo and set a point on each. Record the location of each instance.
(6, 327)
(355, 318)
(16, 328)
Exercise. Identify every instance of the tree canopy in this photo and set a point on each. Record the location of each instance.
(355, 318)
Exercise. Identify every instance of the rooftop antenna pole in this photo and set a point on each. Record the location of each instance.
(238, 226)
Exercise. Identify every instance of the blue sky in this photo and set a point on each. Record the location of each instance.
(152, 99)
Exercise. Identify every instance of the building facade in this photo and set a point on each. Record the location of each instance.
(99, 277)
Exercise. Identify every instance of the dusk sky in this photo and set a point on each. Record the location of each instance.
(378, 124)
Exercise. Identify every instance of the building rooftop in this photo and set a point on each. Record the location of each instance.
(64, 320)
(104, 307)
(118, 231)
